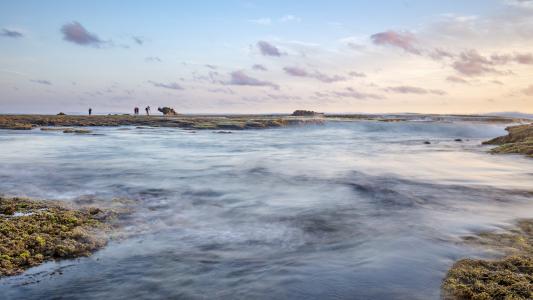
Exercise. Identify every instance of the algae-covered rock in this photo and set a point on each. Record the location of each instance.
(508, 278)
(32, 232)
(519, 140)
(78, 131)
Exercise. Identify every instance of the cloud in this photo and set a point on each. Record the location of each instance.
(405, 89)
(528, 91)
(41, 81)
(259, 67)
(356, 74)
(226, 91)
(300, 72)
(262, 21)
(137, 39)
(456, 79)
(296, 71)
(240, 78)
(403, 40)
(526, 58)
(349, 93)
(153, 59)
(75, 33)
(471, 63)
(438, 54)
(212, 67)
(268, 49)
(171, 85)
(290, 18)
(12, 33)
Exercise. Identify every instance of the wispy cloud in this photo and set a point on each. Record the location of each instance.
(262, 21)
(41, 81)
(138, 40)
(171, 85)
(403, 40)
(12, 33)
(405, 89)
(300, 72)
(74, 32)
(153, 59)
(259, 67)
(349, 92)
(528, 91)
(268, 49)
(290, 18)
(456, 79)
(240, 78)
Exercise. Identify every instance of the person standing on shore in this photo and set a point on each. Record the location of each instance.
(136, 111)
(90, 111)
(147, 110)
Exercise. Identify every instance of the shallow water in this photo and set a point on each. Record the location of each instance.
(347, 210)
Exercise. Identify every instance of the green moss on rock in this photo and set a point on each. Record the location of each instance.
(519, 141)
(508, 278)
(32, 232)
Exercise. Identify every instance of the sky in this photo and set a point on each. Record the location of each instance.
(422, 56)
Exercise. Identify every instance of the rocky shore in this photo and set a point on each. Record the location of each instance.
(27, 122)
(519, 140)
(510, 277)
(36, 231)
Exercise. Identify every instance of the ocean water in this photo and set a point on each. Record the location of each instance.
(345, 210)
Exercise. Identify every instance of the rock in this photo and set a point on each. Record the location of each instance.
(78, 131)
(427, 143)
(55, 128)
(458, 140)
(167, 111)
(61, 114)
(519, 140)
(223, 132)
(306, 113)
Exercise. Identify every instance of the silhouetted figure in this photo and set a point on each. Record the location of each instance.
(136, 111)
(90, 111)
(147, 110)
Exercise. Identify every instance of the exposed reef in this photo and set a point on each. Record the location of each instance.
(189, 122)
(34, 231)
(519, 140)
(510, 277)
(306, 113)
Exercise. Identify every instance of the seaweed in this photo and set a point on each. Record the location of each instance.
(33, 231)
(510, 277)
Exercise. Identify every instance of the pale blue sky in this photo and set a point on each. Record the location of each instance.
(43, 71)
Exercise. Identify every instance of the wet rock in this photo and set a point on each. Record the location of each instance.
(167, 111)
(508, 278)
(223, 132)
(77, 131)
(427, 143)
(519, 140)
(458, 140)
(61, 114)
(32, 232)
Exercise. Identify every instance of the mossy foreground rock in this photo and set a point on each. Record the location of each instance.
(519, 140)
(32, 232)
(505, 279)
